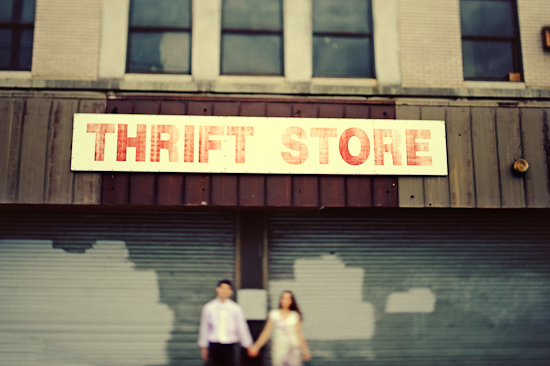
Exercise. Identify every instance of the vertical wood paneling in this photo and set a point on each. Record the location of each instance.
(170, 186)
(34, 151)
(509, 150)
(197, 189)
(305, 190)
(358, 188)
(332, 188)
(533, 134)
(59, 177)
(460, 160)
(170, 189)
(358, 191)
(486, 165)
(173, 107)
(115, 187)
(411, 189)
(436, 189)
(11, 117)
(87, 186)
(251, 190)
(278, 187)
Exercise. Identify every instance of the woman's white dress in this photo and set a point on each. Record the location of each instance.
(285, 345)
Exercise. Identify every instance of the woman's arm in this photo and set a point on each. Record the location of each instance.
(306, 353)
(262, 339)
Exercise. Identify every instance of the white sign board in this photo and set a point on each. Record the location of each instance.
(264, 145)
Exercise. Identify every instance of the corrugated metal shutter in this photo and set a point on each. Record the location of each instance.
(438, 287)
(122, 288)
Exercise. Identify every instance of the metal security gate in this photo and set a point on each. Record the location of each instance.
(411, 287)
(122, 288)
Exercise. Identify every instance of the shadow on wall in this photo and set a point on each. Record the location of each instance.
(61, 308)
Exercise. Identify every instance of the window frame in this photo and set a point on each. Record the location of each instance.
(514, 41)
(254, 31)
(152, 29)
(346, 34)
(17, 27)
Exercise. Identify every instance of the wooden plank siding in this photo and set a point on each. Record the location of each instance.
(250, 190)
(483, 142)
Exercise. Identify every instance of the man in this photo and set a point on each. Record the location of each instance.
(222, 327)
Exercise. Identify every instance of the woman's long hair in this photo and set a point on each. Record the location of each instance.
(294, 305)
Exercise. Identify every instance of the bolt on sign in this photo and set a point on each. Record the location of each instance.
(210, 144)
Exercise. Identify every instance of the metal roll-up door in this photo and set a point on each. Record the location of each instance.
(122, 288)
(410, 287)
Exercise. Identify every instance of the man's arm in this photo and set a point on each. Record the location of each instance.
(244, 331)
(203, 329)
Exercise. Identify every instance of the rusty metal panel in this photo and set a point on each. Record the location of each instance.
(457, 273)
(436, 189)
(11, 117)
(533, 135)
(278, 109)
(197, 189)
(173, 107)
(384, 192)
(486, 165)
(278, 190)
(59, 179)
(305, 190)
(411, 189)
(224, 189)
(251, 190)
(382, 111)
(170, 189)
(200, 108)
(332, 191)
(109, 285)
(357, 111)
(143, 189)
(306, 110)
(459, 150)
(34, 151)
(329, 110)
(146, 106)
(226, 108)
(87, 186)
(253, 109)
(512, 186)
(358, 191)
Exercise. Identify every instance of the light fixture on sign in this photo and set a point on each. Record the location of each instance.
(546, 38)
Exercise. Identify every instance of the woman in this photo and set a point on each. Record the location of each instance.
(288, 347)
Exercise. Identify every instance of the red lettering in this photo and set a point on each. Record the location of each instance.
(189, 149)
(380, 147)
(298, 146)
(344, 146)
(100, 130)
(125, 142)
(205, 144)
(240, 134)
(323, 134)
(413, 147)
(157, 143)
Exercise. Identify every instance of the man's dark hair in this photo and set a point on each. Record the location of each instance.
(227, 282)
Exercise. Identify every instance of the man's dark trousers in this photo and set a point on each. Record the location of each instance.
(221, 354)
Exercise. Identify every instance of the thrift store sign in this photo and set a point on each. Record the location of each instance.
(207, 144)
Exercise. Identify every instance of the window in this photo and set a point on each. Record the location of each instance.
(252, 37)
(342, 38)
(159, 37)
(490, 40)
(16, 34)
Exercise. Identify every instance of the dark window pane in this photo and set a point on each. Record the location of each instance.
(166, 51)
(485, 60)
(342, 56)
(25, 54)
(258, 54)
(487, 18)
(174, 13)
(346, 16)
(6, 10)
(28, 11)
(252, 14)
(5, 48)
